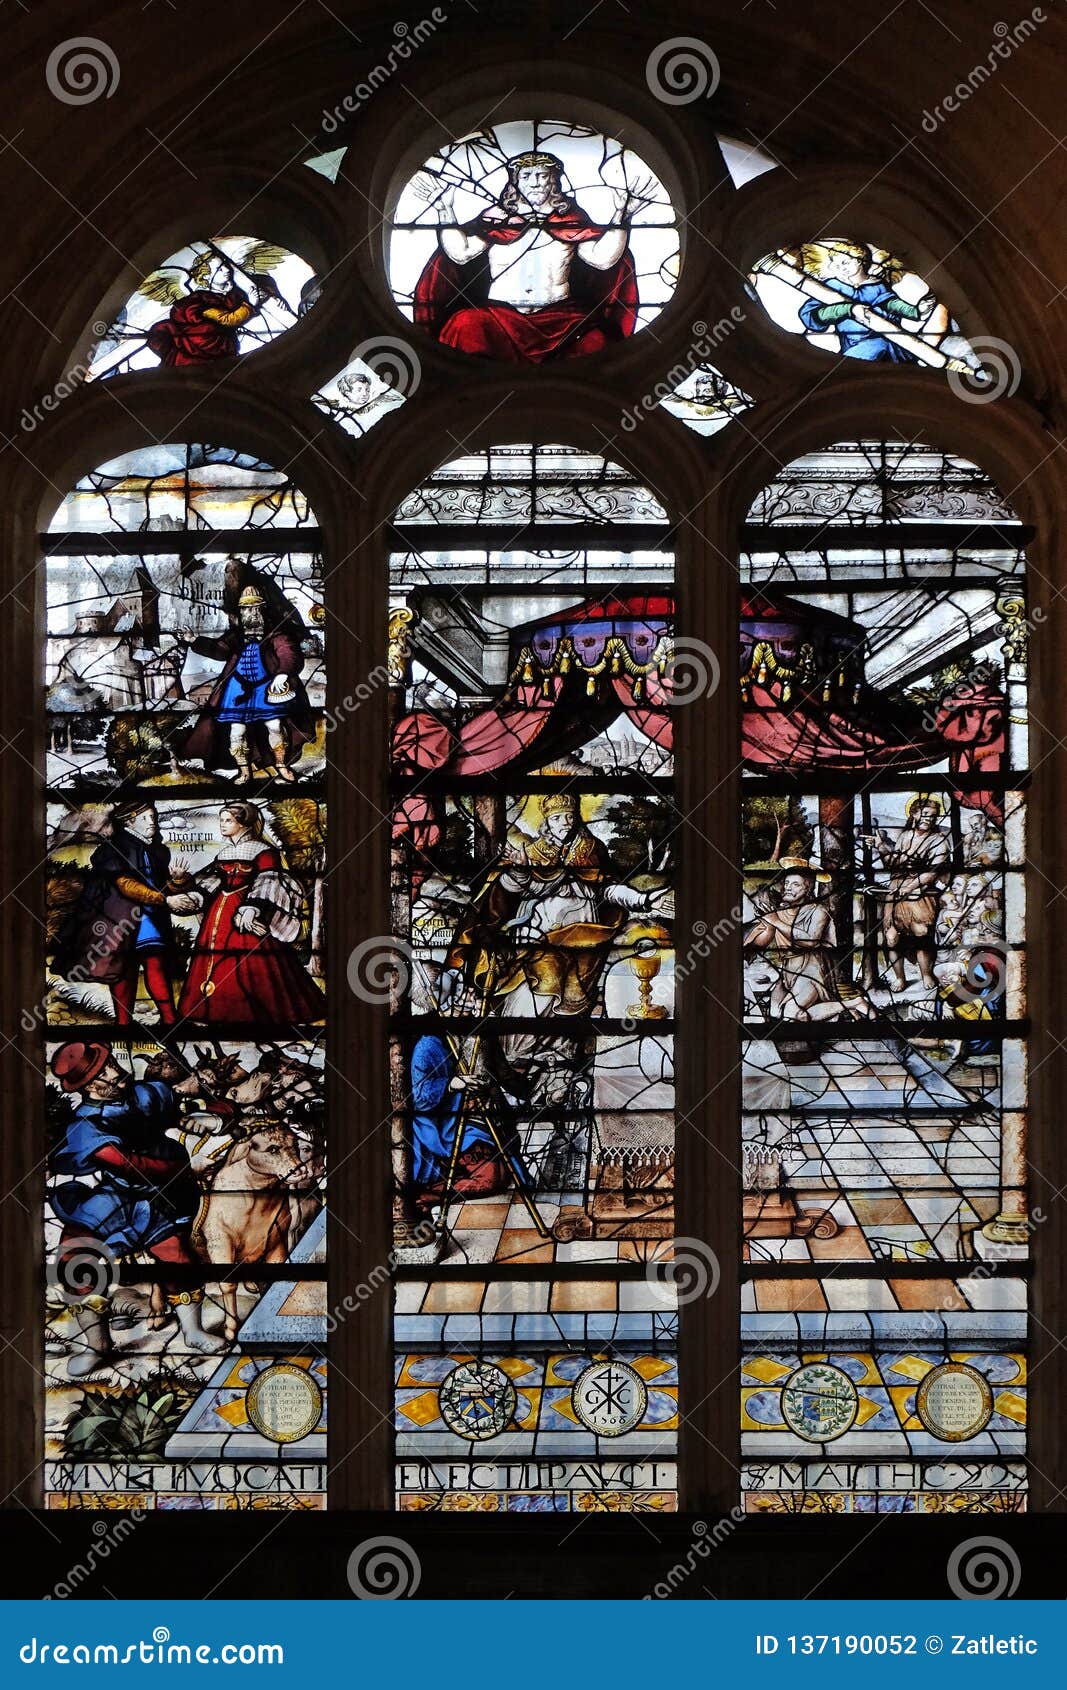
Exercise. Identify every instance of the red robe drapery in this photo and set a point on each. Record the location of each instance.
(452, 303)
(188, 335)
(245, 977)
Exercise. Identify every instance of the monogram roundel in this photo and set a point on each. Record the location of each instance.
(610, 1398)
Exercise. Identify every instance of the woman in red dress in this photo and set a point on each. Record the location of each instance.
(244, 967)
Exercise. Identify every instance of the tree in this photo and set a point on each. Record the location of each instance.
(775, 827)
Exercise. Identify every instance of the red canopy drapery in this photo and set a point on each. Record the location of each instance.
(490, 740)
(806, 704)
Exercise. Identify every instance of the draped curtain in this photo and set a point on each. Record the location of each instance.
(805, 705)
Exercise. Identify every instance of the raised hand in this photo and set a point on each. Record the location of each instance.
(629, 199)
(437, 193)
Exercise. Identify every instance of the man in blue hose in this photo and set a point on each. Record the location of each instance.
(132, 1189)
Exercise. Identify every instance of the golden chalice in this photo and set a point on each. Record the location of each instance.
(644, 941)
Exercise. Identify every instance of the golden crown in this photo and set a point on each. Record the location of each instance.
(558, 803)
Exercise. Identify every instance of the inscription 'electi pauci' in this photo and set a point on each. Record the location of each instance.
(536, 1475)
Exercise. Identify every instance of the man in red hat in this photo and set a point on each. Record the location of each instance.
(121, 924)
(133, 1189)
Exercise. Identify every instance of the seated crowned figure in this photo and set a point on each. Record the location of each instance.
(532, 278)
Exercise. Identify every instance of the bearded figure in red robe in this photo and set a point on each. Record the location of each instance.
(532, 279)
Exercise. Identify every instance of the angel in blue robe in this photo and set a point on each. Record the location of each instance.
(848, 268)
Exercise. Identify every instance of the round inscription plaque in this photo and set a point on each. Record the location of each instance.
(610, 1398)
(954, 1402)
(819, 1402)
(284, 1402)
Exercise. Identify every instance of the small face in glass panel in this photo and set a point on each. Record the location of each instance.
(533, 242)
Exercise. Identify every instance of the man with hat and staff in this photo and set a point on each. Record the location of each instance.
(257, 714)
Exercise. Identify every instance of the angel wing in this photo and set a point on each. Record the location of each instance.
(262, 257)
(162, 286)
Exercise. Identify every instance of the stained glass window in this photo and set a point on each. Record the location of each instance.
(745, 159)
(528, 968)
(532, 242)
(206, 304)
(883, 680)
(863, 302)
(183, 1015)
(327, 164)
(533, 858)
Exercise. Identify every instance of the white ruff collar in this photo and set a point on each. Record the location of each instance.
(241, 850)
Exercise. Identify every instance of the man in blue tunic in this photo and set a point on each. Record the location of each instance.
(133, 1190)
(257, 714)
(120, 926)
